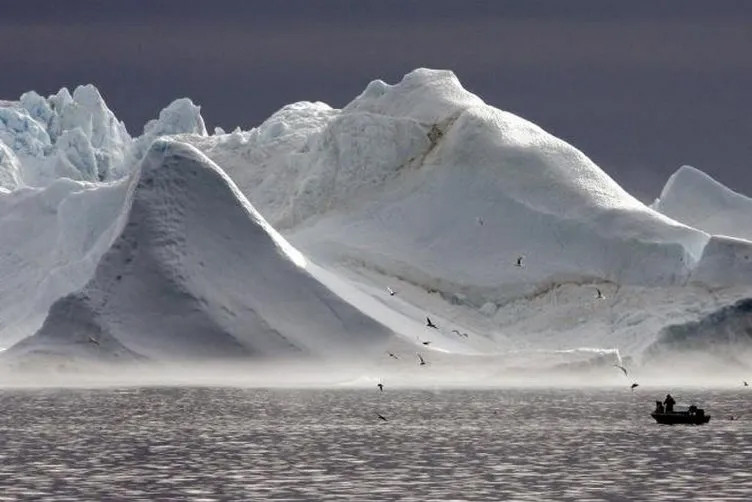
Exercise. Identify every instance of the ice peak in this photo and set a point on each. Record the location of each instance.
(424, 94)
(88, 95)
(181, 116)
(694, 198)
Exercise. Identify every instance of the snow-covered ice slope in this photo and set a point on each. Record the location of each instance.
(423, 181)
(197, 273)
(9, 169)
(696, 199)
(51, 240)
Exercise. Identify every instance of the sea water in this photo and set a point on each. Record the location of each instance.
(283, 444)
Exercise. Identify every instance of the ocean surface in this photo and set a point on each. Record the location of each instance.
(251, 444)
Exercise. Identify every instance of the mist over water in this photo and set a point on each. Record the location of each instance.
(307, 444)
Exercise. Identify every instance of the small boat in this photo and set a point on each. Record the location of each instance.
(692, 416)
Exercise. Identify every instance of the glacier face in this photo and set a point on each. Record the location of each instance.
(419, 186)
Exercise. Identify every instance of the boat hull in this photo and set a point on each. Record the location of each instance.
(680, 418)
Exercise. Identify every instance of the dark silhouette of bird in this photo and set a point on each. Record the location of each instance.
(745, 383)
(93, 340)
(480, 221)
(422, 362)
(732, 417)
(456, 331)
(391, 291)
(519, 261)
(599, 295)
(634, 386)
(622, 368)
(380, 386)
(392, 355)
(426, 343)
(430, 324)
(381, 417)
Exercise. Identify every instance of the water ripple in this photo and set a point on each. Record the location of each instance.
(236, 444)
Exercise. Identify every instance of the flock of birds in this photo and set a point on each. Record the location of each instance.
(430, 324)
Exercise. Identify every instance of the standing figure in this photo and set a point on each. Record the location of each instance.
(669, 403)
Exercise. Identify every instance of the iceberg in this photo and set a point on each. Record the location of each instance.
(333, 232)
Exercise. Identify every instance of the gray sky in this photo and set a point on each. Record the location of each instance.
(641, 87)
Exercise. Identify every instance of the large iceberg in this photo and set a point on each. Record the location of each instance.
(416, 199)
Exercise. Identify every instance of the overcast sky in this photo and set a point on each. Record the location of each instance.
(641, 87)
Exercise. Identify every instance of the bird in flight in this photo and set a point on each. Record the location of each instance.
(93, 340)
(381, 417)
(519, 261)
(422, 361)
(426, 343)
(392, 355)
(390, 291)
(430, 324)
(622, 368)
(380, 386)
(634, 386)
(745, 383)
(599, 295)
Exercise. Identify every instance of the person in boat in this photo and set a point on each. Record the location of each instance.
(658, 407)
(669, 403)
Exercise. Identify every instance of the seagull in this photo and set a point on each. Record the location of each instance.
(422, 362)
(93, 340)
(381, 417)
(480, 221)
(622, 368)
(380, 386)
(390, 291)
(426, 343)
(599, 295)
(745, 383)
(392, 355)
(633, 386)
(519, 261)
(430, 324)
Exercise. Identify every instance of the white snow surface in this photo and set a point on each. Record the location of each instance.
(197, 273)
(51, 239)
(696, 199)
(9, 169)
(423, 181)
(419, 187)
